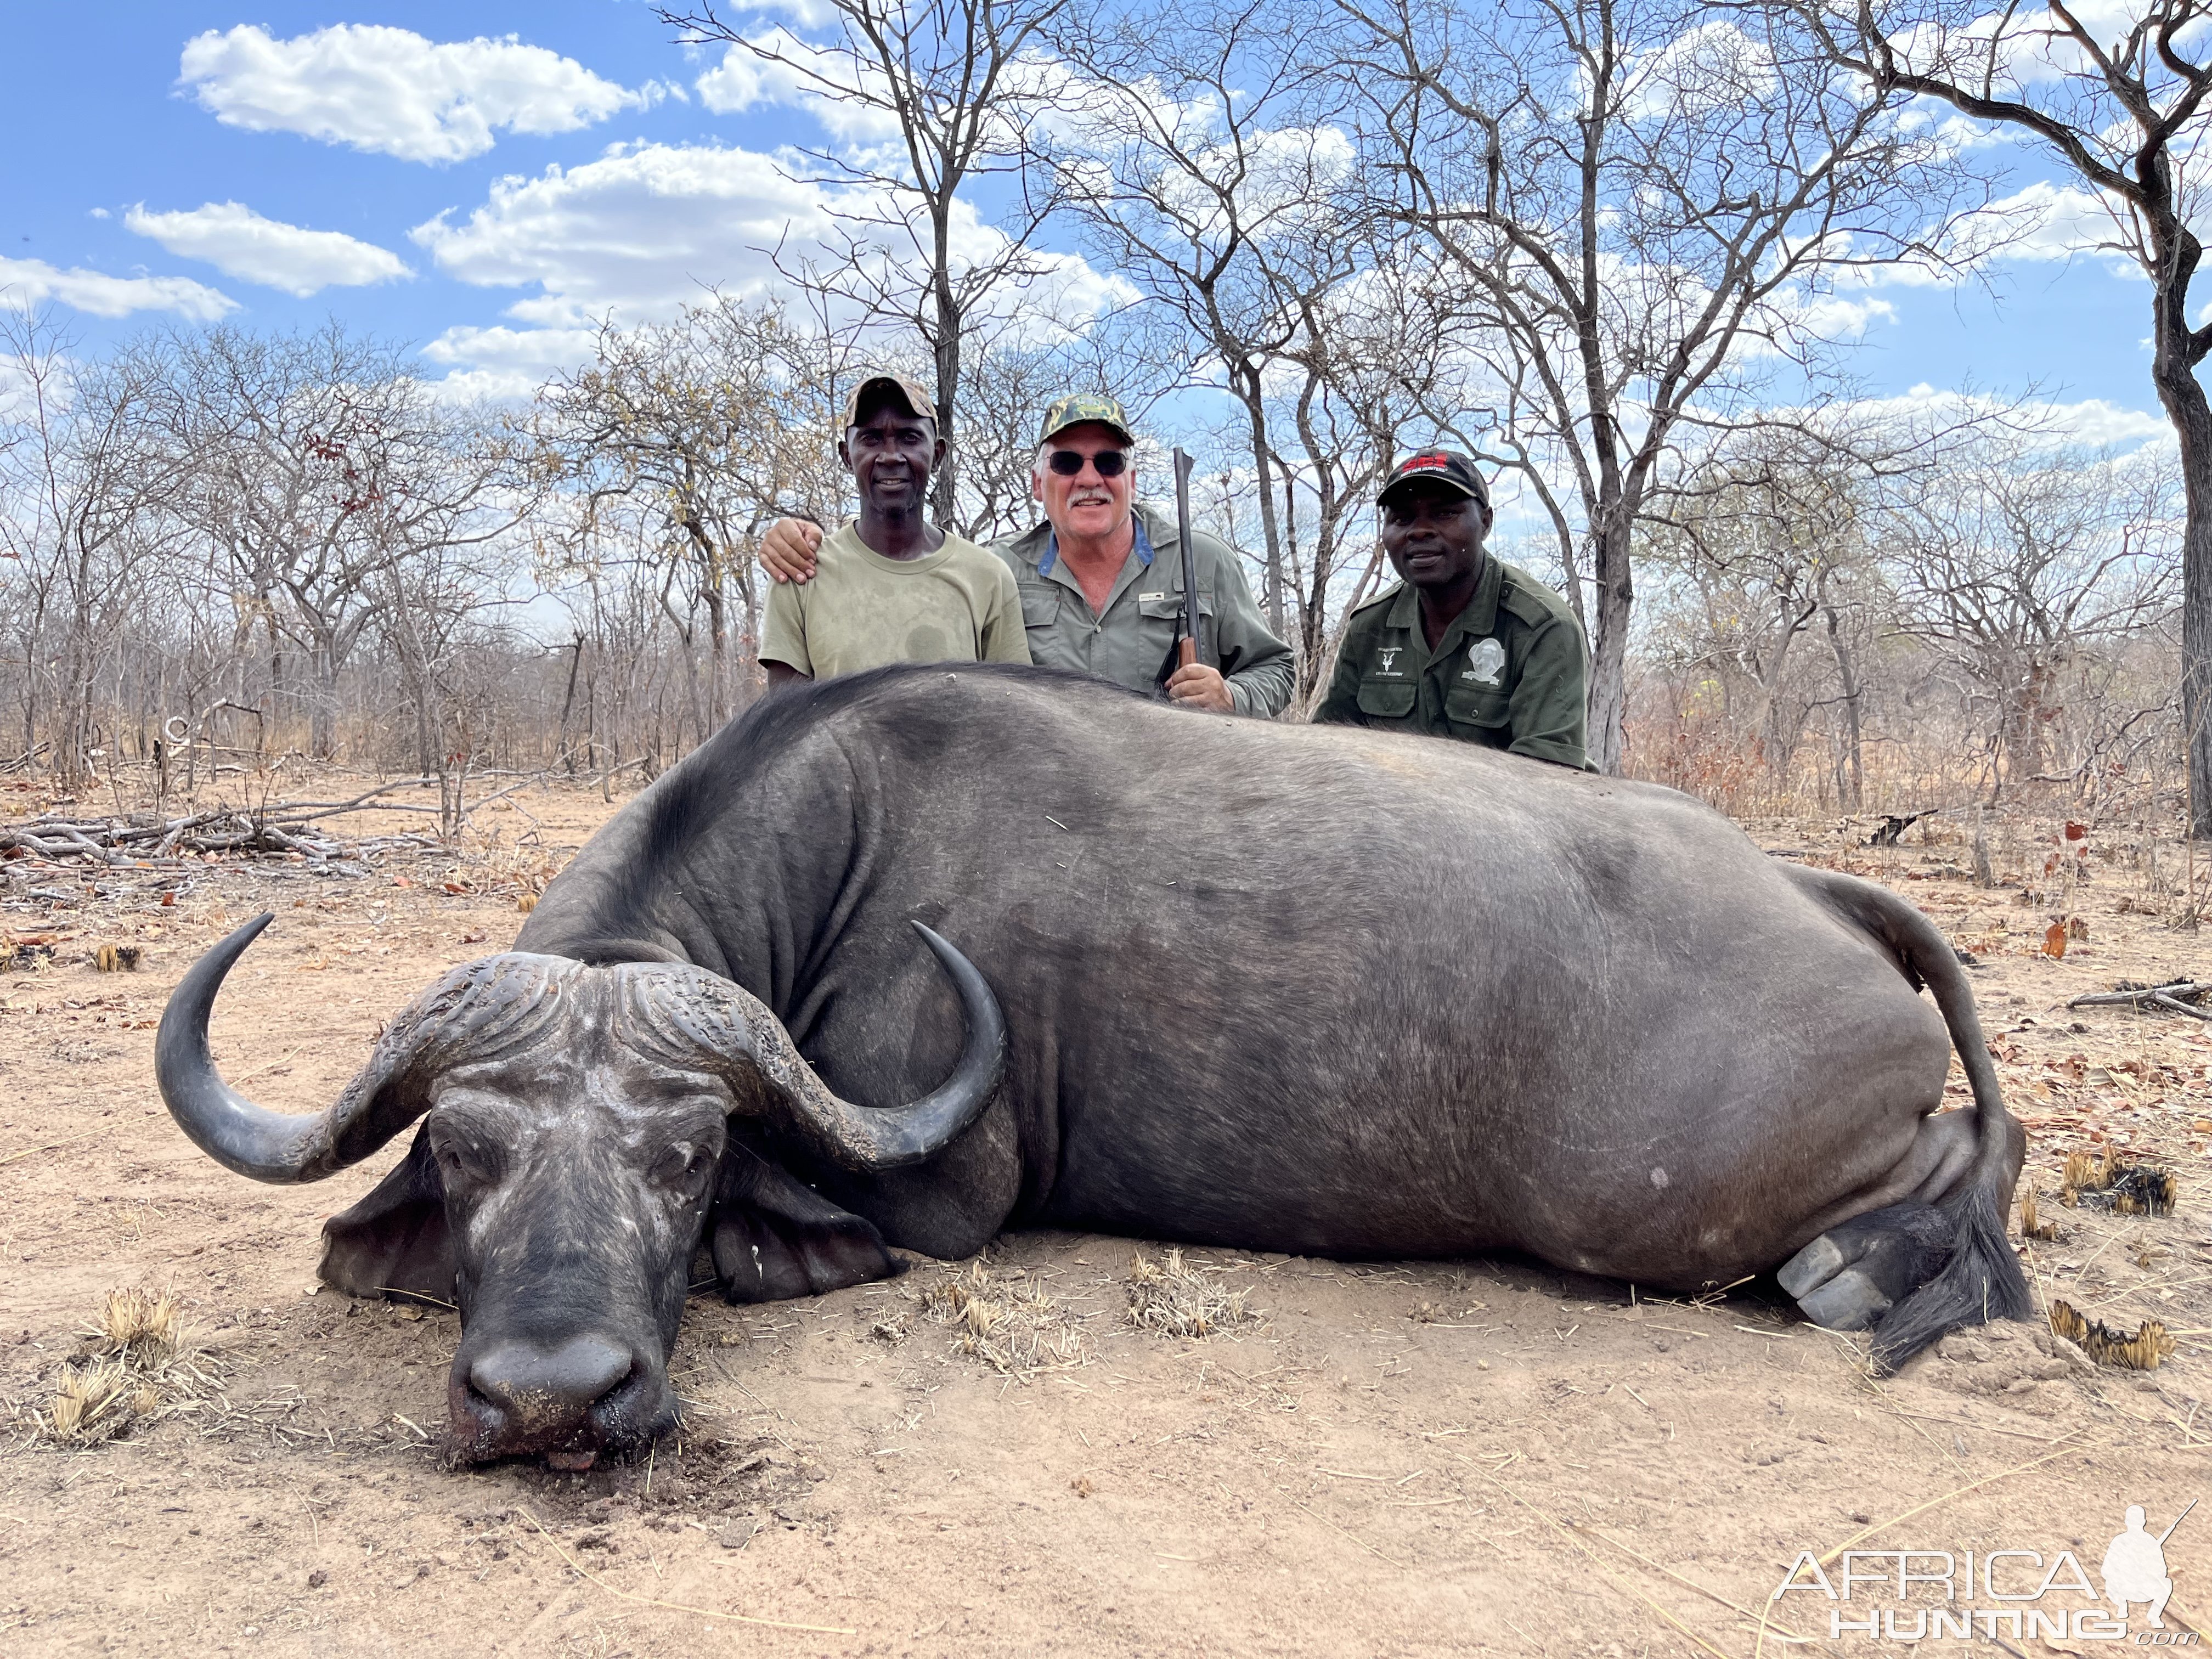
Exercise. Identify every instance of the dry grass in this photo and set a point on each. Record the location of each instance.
(2101, 1181)
(2148, 1349)
(136, 1364)
(1011, 1321)
(1177, 1299)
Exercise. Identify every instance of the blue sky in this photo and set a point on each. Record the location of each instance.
(689, 194)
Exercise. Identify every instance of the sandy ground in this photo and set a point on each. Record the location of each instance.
(1484, 1457)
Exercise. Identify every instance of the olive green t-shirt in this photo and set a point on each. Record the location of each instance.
(863, 610)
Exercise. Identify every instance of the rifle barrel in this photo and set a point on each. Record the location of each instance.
(2178, 1520)
(1187, 644)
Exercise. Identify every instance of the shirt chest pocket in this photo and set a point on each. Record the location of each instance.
(1168, 607)
(1039, 610)
(1387, 700)
(1486, 708)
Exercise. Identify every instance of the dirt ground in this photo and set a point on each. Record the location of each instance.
(1440, 1458)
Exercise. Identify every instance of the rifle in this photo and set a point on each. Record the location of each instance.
(2178, 1520)
(1186, 638)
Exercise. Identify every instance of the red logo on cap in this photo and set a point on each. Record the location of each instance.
(1426, 464)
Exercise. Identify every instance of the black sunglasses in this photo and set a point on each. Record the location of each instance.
(1110, 462)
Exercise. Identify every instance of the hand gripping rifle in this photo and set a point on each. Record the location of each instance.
(1186, 649)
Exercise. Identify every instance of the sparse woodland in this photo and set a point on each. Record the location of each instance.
(1610, 246)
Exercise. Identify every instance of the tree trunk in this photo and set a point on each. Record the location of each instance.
(718, 658)
(1850, 780)
(944, 498)
(1256, 412)
(1609, 683)
(2024, 723)
(2174, 255)
(568, 702)
(2187, 407)
(1781, 745)
(322, 719)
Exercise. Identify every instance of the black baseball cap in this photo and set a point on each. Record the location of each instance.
(1445, 466)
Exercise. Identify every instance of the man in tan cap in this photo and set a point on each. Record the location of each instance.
(1100, 580)
(892, 587)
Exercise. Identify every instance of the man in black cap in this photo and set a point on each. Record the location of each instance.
(1465, 645)
(893, 586)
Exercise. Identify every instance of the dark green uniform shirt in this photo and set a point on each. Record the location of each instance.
(1508, 672)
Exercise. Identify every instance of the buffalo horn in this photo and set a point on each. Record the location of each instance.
(493, 998)
(726, 1024)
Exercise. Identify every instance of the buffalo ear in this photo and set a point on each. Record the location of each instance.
(774, 1238)
(396, 1238)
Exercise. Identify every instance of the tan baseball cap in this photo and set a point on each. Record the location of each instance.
(918, 401)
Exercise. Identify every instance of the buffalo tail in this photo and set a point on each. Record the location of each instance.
(1982, 1280)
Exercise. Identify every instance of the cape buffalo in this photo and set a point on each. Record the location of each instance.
(1319, 990)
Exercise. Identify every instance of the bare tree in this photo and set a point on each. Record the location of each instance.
(692, 434)
(955, 84)
(1768, 538)
(1646, 203)
(1201, 162)
(2018, 556)
(317, 462)
(88, 504)
(1372, 360)
(2121, 102)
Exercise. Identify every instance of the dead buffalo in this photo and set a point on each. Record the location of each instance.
(1319, 990)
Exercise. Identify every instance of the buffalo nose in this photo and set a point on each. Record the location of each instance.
(542, 1389)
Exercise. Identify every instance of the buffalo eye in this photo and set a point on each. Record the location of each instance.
(683, 1169)
(463, 1164)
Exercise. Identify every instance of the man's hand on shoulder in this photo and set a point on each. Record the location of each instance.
(1196, 686)
(787, 552)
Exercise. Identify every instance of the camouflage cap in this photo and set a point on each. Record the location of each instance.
(1077, 408)
(917, 401)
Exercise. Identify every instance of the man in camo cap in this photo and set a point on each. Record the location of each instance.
(1101, 578)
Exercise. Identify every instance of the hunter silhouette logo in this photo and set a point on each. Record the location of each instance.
(1917, 1595)
(2135, 1566)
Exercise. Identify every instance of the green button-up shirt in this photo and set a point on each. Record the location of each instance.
(1129, 640)
(1508, 672)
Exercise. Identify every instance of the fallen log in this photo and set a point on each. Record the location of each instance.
(2173, 994)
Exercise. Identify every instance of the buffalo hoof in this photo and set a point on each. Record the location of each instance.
(1852, 1274)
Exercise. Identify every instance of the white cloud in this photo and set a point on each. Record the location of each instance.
(505, 365)
(648, 229)
(2041, 222)
(16, 388)
(2093, 421)
(1709, 69)
(743, 80)
(392, 91)
(2057, 221)
(638, 232)
(645, 228)
(239, 242)
(851, 100)
(34, 281)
